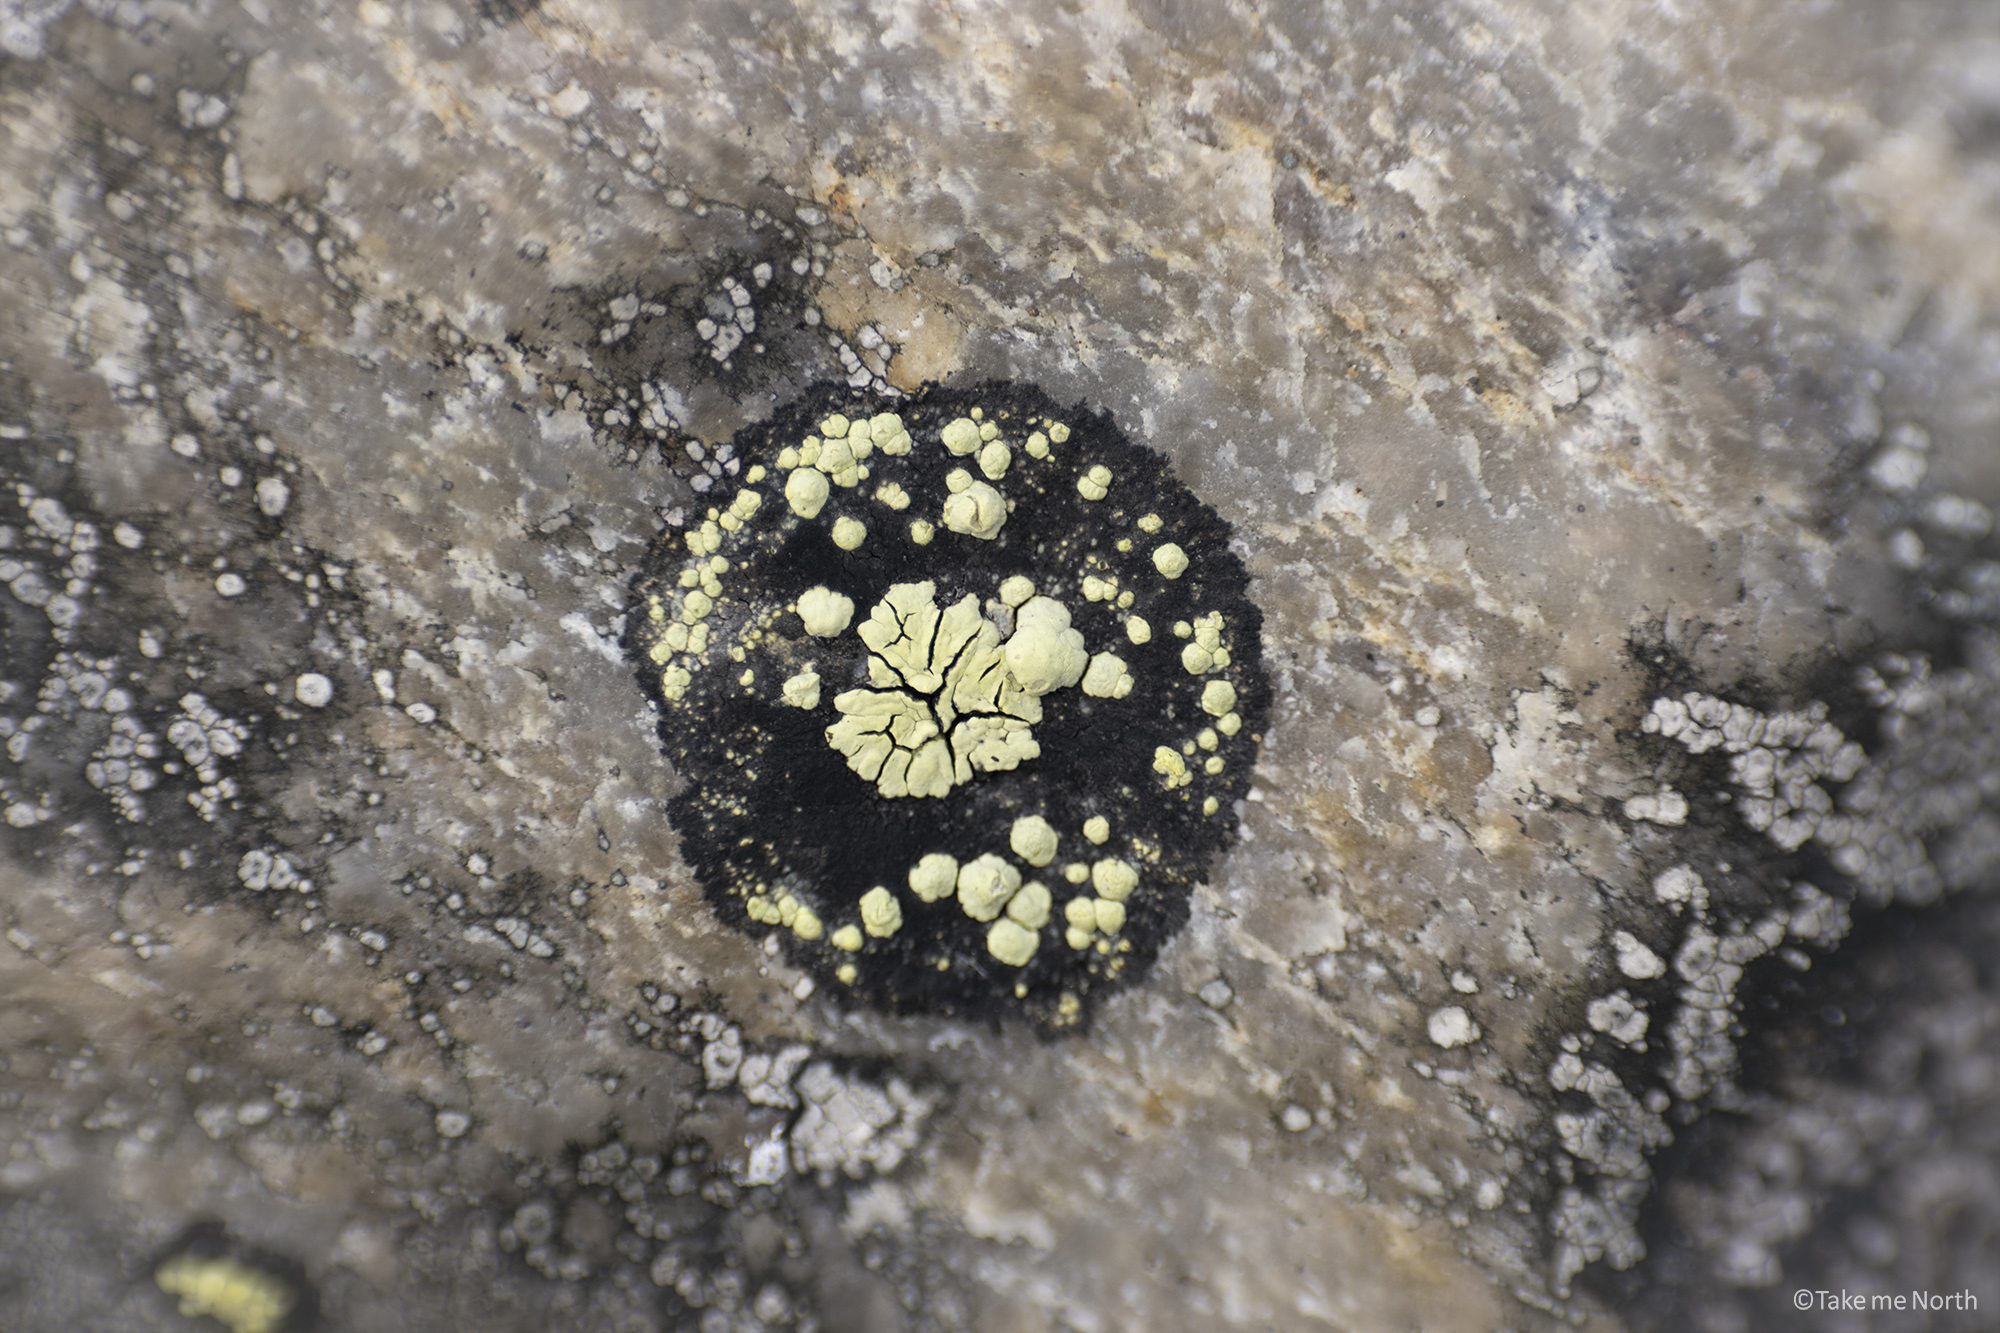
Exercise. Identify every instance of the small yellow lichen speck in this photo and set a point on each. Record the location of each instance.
(881, 914)
(806, 924)
(1076, 872)
(886, 429)
(960, 436)
(1038, 445)
(921, 532)
(1058, 432)
(1107, 678)
(847, 938)
(1218, 697)
(1196, 660)
(1170, 560)
(847, 972)
(1210, 806)
(977, 510)
(849, 533)
(985, 884)
(1031, 905)
(826, 613)
(237, 1296)
(934, 877)
(1011, 942)
(994, 459)
(1094, 484)
(806, 491)
(1229, 724)
(1034, 840)
(889, 493)
(1150, 523)
(802, 690)
(1045, 654)
(1212, 765)
(1110, 915)
(1137, 630)
(1016, 590)
(1114, 879)
(1098, 829)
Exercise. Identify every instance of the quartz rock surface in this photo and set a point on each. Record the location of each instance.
(1605, 403)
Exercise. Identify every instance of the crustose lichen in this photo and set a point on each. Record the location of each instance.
(965, 690)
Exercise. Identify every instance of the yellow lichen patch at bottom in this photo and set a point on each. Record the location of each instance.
(237, 1296)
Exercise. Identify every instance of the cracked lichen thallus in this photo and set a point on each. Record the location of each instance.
(965, 690)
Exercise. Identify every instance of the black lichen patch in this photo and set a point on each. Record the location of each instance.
(850, 677)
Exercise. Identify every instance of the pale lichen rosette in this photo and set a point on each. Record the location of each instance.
(965, 690)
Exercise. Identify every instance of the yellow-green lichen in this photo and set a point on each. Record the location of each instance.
(881, 914)
(934, 877)
(977, 510)
(960, 436)
(1107, 678)
(802, 690)
(1113, 879)
(240, 1298)
(849, 533)
(1011, 942)
(985, 884)
(1045, 654)
(806, 491)
(1034, 840)
(826, 613)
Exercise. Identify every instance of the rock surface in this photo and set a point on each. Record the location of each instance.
(1605, 402)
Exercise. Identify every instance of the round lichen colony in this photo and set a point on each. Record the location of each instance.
(965, 690)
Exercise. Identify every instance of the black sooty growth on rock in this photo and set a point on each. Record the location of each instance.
(965, 689)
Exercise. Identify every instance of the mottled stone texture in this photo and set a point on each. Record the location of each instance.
(1549, 361)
